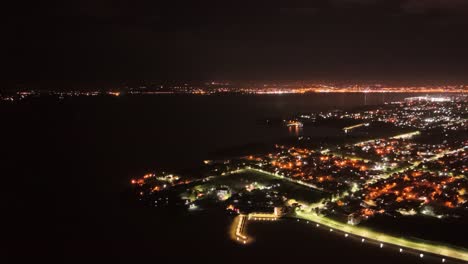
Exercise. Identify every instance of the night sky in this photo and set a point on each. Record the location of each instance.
(85, 43)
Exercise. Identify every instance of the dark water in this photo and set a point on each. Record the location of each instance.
(66, 167)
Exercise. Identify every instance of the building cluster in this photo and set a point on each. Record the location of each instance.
(323, 171)
(454, 164)
(395, 176)
(434, 187)
(225, 87)
(409, 193)
(401, 175)
(294, 87)
(152, 183)
(416, 112)
(18, 96)
(264, 201)
(22, 95)
(394, 152)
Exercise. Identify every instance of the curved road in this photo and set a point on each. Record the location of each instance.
(441, 250)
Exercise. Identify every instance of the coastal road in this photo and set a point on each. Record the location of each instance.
(423, 247)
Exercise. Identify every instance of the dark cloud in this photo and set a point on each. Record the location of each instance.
(447, 7)
(341, 3)
(120, 40)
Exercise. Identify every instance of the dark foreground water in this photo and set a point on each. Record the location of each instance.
(66, 167)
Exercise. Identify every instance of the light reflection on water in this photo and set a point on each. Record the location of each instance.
(295, 130)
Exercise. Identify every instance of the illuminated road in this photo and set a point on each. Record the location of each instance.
(364, 233)
(313, 186)
(402, 136)
(250, 169)
(407, 135)
(347, 129)
(238, 230)
(262, 217)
